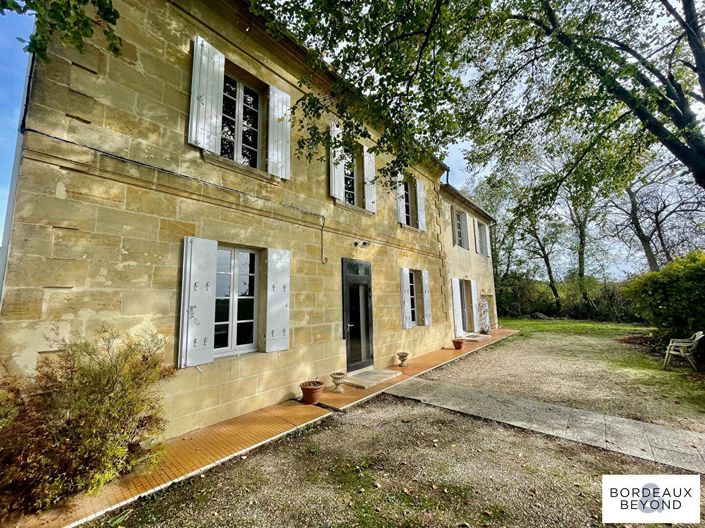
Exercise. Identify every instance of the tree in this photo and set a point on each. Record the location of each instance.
(499, 200)
(71, 22)
(542, 235)
(661, 211)
(501, 73)
(584, 209)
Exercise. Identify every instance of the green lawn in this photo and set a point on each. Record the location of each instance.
(570, 326)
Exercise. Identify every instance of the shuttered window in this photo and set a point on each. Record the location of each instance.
(483, 236)
(411, 203)
(458, 226)
(236, 301)
(413, 302)
(466, 306)
(241, 123)
(415, 298)
(221, 293)
(352, 172)
(227, 114)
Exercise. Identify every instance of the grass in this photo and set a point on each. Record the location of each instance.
(574, 327)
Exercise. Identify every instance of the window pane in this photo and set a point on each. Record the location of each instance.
(229, 107)
(230, 87)
(227, 149)
(245, 285)
(250, 138)
(251, 97)
(246, 262)
(224, 260)
(245, 309)
(222, 285)
(228, 129)
(250, 117)
(222, 310)
(245, 333)
(249, 157)
(221, 336)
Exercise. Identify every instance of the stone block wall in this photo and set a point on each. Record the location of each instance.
(108, 188)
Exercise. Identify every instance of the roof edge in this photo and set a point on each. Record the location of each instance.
(455, 193)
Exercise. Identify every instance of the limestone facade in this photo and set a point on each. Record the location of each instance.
(107, 188)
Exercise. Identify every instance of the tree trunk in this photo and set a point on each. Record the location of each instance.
(659, 232)
(552, 284)
(582, 243)
(546, 257)
(644, 239)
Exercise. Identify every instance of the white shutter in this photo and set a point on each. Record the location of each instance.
(484, 239)
(337, 169)
(464, 220)
(279, 134)
(278, 286)
(477, 236)
(454, 227)
(370, 171)
(197, 302)
(205, 119)
(457, 308)
(421, 204)
(401, 213)
(475, 299)
(405, 298)
(426, 286)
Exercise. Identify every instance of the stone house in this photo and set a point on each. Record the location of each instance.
(160, 190)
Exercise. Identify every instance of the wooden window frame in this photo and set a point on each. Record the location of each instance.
(238, 120)
(233, 348)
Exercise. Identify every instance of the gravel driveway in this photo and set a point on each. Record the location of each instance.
(595, 373)
(393, 462)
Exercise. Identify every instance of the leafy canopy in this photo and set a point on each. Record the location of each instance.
(502, 73)
(69, 21)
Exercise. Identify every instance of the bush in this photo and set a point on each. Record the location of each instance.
(88, 415)
(671, 299)
(519, 295)
(608, 302)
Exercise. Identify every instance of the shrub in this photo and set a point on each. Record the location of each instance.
(519, 295)
(88, 415)
(671, 299)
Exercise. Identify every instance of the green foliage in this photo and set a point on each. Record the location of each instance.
(90, 413)
(671, 299)
(520, 295)
(503, 73)
(71, 22)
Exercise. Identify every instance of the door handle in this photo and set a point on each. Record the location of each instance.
(350, 325)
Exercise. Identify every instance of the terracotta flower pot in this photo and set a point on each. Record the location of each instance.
(457, 344)
(312, 391)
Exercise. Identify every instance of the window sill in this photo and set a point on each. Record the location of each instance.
(235, 166)
(353, 208)
(410, 228)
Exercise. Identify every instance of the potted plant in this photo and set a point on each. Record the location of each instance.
(457, 344)
(311, 390)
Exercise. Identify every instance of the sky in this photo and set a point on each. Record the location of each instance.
(13, 67)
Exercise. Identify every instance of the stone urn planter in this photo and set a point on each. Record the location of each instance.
(457, 344)
(403, 356)
(338, 378)
(311, 391)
